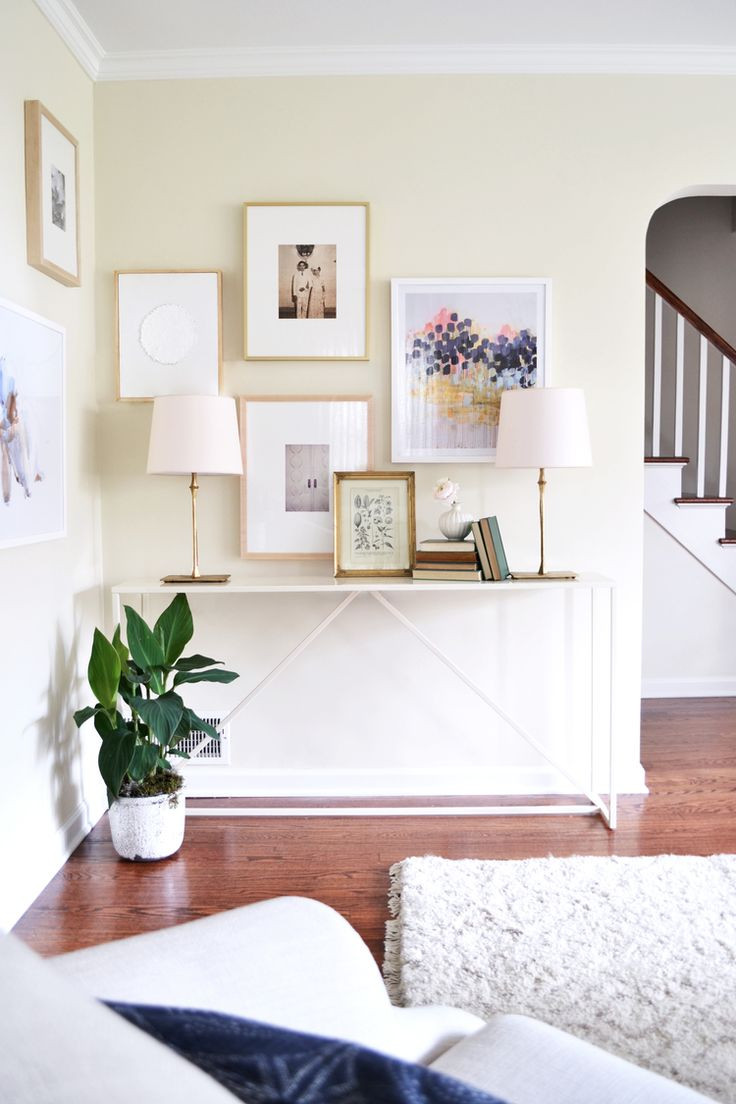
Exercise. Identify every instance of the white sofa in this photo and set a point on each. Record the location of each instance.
(292, 962)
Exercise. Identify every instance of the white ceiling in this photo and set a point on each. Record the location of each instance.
(125, 39)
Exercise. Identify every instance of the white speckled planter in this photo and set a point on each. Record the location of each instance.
(148, 828)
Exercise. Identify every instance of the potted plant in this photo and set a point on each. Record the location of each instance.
(141, 719)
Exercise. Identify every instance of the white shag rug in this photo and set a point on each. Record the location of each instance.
(637, 955)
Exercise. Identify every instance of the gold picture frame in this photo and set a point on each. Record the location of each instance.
(375, 526)
(327, 318)
(167, 304)
(52, 196)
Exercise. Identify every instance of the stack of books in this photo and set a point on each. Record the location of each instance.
(448, 561)
(492, 556)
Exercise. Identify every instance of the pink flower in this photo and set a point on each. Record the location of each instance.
(446, 490)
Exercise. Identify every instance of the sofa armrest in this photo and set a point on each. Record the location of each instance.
(292, 961)
(524, 1060)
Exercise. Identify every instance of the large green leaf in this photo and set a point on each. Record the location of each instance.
(82, 715)
(174, 628)
(193, 663)
(217, 675)
(196, 724)
(119, 647)
(162, 715)
(103, 671)
(143, 762)
(116, 752)
(145, 648)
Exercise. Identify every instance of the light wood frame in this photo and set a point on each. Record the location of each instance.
(340, 520)
(327, 356)
(163, 272)
(35, 112)
(243, 402)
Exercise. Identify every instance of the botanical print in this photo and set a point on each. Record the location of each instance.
(307, 281)
(307, 478)
(58, 198)
(373, 524)
(461, 351)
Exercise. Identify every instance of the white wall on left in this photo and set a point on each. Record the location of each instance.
(51, 591)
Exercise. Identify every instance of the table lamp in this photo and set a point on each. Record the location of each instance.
(543, 427)
(194, 435)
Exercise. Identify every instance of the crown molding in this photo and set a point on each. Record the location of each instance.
(75, 33)
(415, 60)
(302, 61)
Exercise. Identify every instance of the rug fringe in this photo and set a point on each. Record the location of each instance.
(392, 941)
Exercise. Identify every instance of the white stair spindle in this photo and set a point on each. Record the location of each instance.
(679, 378)
(725, 394)
(657, 383)
(702, 397)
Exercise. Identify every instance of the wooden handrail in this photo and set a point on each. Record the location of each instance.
(690, 316)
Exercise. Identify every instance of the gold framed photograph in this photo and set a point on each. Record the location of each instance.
(52, 196)
(305, 301)
(375, 529)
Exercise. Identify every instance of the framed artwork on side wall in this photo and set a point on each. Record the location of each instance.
(457, 345)
(291, 447)
(52, 195)
(305, 281)
(32, 445)
(375, 529)
(168, 328)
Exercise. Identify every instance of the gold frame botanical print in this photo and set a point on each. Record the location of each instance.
(457, 345)
(305, 281)
(375, 529)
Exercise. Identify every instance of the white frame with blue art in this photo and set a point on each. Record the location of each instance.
(32, 427)
(417, 304)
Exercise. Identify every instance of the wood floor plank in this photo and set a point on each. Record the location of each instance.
(688, 751)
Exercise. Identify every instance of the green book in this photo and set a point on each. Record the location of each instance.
(498, 547)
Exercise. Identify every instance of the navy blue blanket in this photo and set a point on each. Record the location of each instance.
(260, 1064)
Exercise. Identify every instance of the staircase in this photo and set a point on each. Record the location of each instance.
(688, 393)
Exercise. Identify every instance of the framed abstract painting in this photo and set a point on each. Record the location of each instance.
(306, 281)
(291, 446)
(375, 528)
(32, 448)
(457, 345)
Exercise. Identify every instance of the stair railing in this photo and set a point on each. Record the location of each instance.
(708, 338)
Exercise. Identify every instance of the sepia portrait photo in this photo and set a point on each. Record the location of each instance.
(307, 281)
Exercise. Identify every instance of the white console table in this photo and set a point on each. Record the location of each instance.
(602, 625)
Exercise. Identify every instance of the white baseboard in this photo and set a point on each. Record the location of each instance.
(717, 686)
(42, 866)
(214, 781)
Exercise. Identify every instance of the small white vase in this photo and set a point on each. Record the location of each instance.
(148, 828)
(455, 523)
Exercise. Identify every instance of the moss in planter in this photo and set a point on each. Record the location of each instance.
(161, 782)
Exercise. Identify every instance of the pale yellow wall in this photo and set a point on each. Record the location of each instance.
(50, 591)
(491, 176)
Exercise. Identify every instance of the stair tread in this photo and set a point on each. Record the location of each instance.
(688, 500)
(730, 537)
(666, 459)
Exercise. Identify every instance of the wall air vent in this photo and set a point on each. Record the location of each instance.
(203, 749)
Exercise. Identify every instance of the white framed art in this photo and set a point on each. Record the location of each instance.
(168, 327)
(305, 301)
(32, 421)
(52, 195)
(457, 345)
(291, 446)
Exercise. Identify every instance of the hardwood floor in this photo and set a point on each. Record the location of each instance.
(688, 750)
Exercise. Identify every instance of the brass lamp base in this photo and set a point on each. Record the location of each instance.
(196, 579)
(551, 575)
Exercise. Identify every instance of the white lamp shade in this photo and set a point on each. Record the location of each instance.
(543, 427)
(194, 433)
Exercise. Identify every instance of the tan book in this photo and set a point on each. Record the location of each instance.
(490, 549)
(447, 576)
